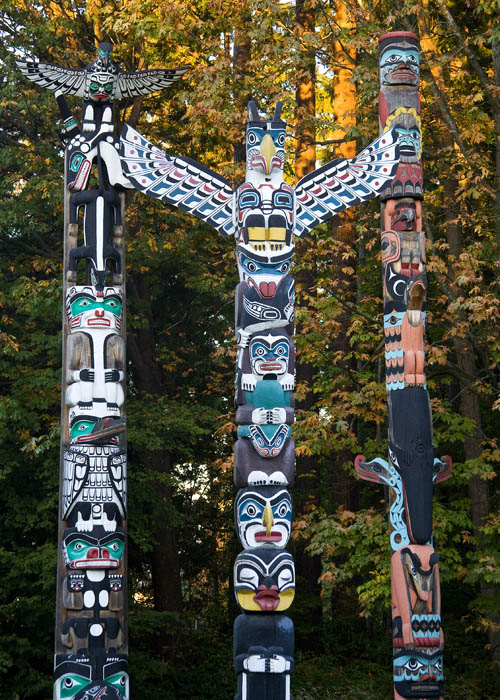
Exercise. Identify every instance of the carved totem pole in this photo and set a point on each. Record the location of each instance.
(412, 468)
(262, 214)
(91, 627)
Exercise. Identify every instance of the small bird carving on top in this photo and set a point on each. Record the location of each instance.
(99, 84)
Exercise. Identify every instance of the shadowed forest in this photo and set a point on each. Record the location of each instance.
(320, 58)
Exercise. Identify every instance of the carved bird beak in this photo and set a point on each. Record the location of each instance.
(268, 150)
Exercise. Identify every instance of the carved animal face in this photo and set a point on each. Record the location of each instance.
(264, 580)
(418, 669)
(263, 517)
(74, 678)
(419, 580)
(262, 272)
(94, 550)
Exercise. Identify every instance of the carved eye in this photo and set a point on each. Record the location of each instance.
(251, 266)
(248, 576)
(284, 267)
(260, 351)
(68, 683)
(413, 665)
(78, 546)
(280, 350)
(438, 666)
(393, 58)
(280, 140)
(252, 138)
(285, 578)
(283, 509)
(250, 510)
(413, 572)
(113, 546)
(412, 59)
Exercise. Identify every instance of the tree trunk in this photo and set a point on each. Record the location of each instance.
(306, 492)
(465, 357)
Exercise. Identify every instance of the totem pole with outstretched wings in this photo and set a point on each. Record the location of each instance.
(91, 643)
(263, 215)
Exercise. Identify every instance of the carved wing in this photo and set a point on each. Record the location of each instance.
(182, 182)
(67, 81)
(341, 183)
(145, 82)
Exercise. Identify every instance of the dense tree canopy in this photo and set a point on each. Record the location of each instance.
(180, 287)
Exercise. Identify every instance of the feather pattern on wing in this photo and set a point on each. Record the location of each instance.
(145, 82)
(341, 183)
(67, 81)
(182, 182)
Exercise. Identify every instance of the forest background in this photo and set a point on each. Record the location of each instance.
(320, 58)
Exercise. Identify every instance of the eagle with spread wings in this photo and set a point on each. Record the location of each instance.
(264, 207)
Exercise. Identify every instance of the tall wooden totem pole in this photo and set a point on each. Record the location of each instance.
(91, 625)
(263, 215)
(411, 469)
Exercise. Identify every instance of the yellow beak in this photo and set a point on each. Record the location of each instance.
(267, 516)
(268, 150)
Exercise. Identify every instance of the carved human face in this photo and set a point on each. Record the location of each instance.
(87, 308)
(399, 65)
(264, 580)
(269, 354)
(263, 516)
(101, 86)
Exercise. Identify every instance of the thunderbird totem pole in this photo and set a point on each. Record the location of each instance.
(262, 214)
(91, 627)
(412, 468)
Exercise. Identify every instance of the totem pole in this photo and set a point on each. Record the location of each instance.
(262, 214)
(91, 627)
(412, 468)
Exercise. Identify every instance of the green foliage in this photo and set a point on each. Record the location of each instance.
(181, 279)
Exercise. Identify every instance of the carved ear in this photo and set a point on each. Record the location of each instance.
(433, 559)
(277, 111)
(253, 112)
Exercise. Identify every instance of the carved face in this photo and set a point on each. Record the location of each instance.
(269, 354)
(418, 673)
(399, 64)
(407, 123)
(263, 517)
(101, 86)
(89, 309)
(264, 580)
(93, 550)
(262, 272)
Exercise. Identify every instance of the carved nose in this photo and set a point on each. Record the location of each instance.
(104, 553)
(99, 312)
(93, 553)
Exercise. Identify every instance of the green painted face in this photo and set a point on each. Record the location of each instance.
(82, 427)
(69, 685)
(84, 551)
(84, 304)
(120, 681)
